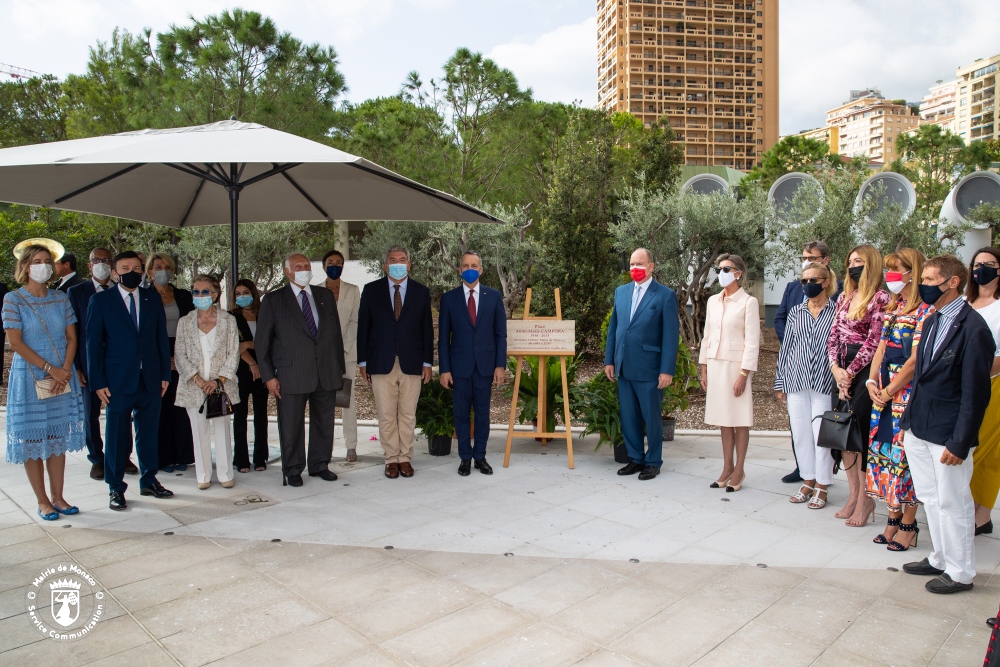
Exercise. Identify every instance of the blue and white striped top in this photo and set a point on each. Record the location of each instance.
(802, 359)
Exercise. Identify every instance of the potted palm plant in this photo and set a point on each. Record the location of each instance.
(599, 411)
(436, 417)
(676, 397)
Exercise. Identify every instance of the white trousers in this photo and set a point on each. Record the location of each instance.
(951, 514)
(814, 462)
(201, 433)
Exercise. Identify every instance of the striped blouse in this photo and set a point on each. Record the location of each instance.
(802, 358)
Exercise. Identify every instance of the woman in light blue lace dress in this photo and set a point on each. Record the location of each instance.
(40, 328)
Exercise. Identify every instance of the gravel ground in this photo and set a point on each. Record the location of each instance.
(769, 414)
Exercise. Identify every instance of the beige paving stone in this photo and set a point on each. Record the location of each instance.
(444, 562)
(338, 592)
(76, 539)
(862, 580)
(817, 611)
(373, 657)
(385, 617)
(835, 657)
(609, 614)
(267, 555)
(40, 652)
(141, 544)
(169, 559)
(758, 645)
(966, 646)
(748, 590)
(682, 578)
(32, 550)
(326, 642)
(240, 629)
(111, 636)
(458, 635)
(18, 534)
(147, 655)
(560, 587)
(17, 631)
(909, 591)
(192, 580)
(340, 561)
(605, 658)
(925, 633)
(500, 572)
(540, 645)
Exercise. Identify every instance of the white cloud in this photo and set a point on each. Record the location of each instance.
(560, 65)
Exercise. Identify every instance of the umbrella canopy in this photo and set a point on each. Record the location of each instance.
(225, 172)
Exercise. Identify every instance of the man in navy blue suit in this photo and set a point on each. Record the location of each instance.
(472, 352)
(128, 364)
(642, 353)
(79, 298)
(395, 353)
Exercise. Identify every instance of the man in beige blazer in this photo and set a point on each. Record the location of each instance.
(348, 301)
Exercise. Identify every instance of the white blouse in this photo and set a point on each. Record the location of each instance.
(207, 350)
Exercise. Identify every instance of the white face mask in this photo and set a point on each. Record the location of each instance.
(303, 278)
(40, 273)
(727, 279)
(896, 286)
(101, 271)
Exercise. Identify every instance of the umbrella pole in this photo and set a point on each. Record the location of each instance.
(234, 227)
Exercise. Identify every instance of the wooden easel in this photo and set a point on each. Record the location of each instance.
(543, 371)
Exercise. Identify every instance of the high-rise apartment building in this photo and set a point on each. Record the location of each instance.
(868, 124)
(977, 84)
(709, 67)
(938, 106)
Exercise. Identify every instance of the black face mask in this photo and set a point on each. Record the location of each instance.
(931, 294)
(812, 290)
(855, 273)
(984, 275)
(131, 280)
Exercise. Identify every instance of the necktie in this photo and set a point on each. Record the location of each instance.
(397, 303)
(132, 311)
(635, 302)
(472, 307)
(307, 312)
(103, 287)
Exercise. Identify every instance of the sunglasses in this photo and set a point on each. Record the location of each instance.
(811, 281)
(201, 292)
(726, 269)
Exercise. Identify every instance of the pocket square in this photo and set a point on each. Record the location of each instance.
(948, 357)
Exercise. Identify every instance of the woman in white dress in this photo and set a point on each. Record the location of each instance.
(728, 357)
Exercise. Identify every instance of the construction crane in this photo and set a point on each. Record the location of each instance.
(19, 72)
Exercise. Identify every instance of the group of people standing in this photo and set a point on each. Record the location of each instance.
(154, 355)
(908, 346)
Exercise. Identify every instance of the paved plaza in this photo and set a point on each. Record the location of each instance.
(535, 565)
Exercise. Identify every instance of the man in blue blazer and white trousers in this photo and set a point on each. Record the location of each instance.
(128, 365)
(642, 353)
(472, 352)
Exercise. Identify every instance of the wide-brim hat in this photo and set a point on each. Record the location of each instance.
(55, 248)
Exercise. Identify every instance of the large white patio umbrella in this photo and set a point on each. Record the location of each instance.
(213, 174)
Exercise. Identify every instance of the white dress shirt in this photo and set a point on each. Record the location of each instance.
(99, 287)
(296, 290)
(125, 294)
(65, 279)
(472, 290)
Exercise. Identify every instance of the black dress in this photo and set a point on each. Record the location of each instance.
(257, 391)
(176, 445)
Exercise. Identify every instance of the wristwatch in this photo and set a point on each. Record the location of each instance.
(744, 374)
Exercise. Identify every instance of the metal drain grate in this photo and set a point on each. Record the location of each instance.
(216, 509)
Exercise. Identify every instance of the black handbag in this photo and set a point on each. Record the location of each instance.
(840, 429)
(216, 404)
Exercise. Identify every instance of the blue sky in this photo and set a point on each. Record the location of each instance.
(827, 48)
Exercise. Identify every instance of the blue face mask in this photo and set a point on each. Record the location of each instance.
(244, 301)
(202, 302)
(333, 272)
(470, 276)
(397, 271)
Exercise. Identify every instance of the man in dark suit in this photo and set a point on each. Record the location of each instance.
(641, 352)
(396, 352)
(66, 270)
(128, 365)
(948, 397)
(79, 299)
(300, 355)
(472, 353)
(814, 252)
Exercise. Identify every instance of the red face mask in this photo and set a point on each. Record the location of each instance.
(893, 277)
(638, 274)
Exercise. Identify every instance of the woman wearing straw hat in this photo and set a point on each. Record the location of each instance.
(44, 401)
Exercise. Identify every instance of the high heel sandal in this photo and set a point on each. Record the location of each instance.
(906, 528)
(720, 484)
(800, 497)
(890, 522)
(817, 503)
(731, 488)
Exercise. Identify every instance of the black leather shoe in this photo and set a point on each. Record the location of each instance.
(923, 567)
(130, 468)
(97, 471)
(117, 502)
(328, 475)
(465, 467)
(992, 622)
(945, 585)
(649, 472)
(156, 490)
(292, 480)
(483, 467)
(792, 478)
(985, 529)
(631, 469)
